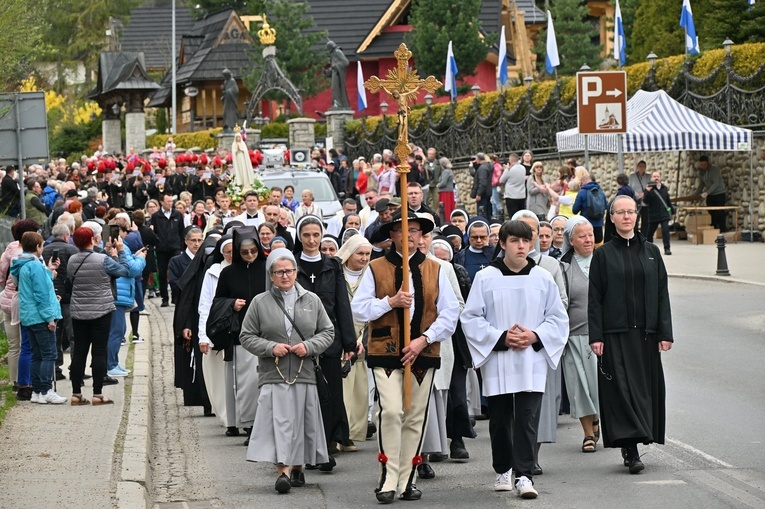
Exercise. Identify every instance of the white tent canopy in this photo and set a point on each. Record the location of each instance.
(658, 123)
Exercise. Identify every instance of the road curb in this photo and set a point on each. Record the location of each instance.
(133, 485)
(722, 279)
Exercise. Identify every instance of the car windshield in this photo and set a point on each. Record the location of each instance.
(322, 190)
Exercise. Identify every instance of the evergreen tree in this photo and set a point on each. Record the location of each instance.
(435, 23)
(657, 28)
(574, 33)
(21, 27)
(299, 48)
(753, 26)
(723, 19)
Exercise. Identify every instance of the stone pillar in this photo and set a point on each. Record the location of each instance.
(111, 131)
(135, 124)
(336, 120)
(225, 140)
(253, 139)
(302, 133)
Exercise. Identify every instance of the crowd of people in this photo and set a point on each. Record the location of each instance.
(289, 327)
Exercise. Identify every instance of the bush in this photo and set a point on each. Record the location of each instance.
(203, 139)
(275, 130)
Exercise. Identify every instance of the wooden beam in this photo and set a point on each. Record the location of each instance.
(395, 9)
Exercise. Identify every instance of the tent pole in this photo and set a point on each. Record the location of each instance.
(586, 152)
(620, 153)
(751, 193)
(677, 176)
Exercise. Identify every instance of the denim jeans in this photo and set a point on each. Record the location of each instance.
(43, 343)
(25, 359)
(116, 333)
(496, 202)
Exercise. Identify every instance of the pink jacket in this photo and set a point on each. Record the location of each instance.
(9, 299)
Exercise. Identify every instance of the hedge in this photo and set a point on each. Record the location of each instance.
(202, 139)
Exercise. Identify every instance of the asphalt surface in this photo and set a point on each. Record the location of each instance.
(714, 456)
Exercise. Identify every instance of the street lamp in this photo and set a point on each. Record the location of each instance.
(584, 67)
(383, 107)
(116, 109)
(475, 89)
(727, 43)
(527, 80)
(652, 58)
(428, 99)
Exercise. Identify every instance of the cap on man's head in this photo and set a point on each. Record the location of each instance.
(382, 205)
(395, 201)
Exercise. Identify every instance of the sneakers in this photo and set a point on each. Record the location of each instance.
(667, 252)
(525, 487)
(457, 451)
(52, 398)
(145, 312)
(24, 393)
(503, 482)
(123, 342)
(117, 372)
(35, 397)
(138, 339)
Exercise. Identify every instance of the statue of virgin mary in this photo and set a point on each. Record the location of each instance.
(240, 158)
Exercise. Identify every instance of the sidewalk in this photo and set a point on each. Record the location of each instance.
(86, 457)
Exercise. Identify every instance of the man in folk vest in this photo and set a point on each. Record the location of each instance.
(434, 311)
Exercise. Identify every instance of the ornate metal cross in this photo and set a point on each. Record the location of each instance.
(403, 84)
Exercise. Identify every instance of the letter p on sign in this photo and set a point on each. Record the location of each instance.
(592, 86)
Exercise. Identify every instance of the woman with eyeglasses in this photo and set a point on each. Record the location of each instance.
(323, 275)
(630, 324)
(239, 283)
(284, 327)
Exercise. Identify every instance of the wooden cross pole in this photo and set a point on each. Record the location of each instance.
(403, 84)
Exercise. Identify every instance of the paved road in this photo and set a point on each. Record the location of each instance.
(715, 455)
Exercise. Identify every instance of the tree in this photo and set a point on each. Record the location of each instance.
(730, 19)
(435, 23)
(21, 27)
(657, 28)
(200, 8)
(298, 46)
(753, 27)
(575, 34)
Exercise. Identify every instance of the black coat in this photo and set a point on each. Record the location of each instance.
(150, 242)
(9, 194)
(331, 289)
(169, 231)
(657, 210)
(176, 267)
(482, 181)
(65, 250)
(607, 302)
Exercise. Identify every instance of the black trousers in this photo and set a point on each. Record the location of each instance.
(643, 226)
(457, 414)
(513, 423)
(513, 205)
(719, 217)
(90, 332)
(163, 259)
(333, 414)
(664, 232)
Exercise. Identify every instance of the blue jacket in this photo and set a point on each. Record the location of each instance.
(580, 204)
(37, 297)
(126, 285)
(49, 197)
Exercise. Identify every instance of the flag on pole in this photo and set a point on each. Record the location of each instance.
(243, 132)
(686, 21)
(551, 58)
(502, 57)
(450, 83)
(620, 43)
(362, 93)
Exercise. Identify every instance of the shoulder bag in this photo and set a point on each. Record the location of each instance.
(69, 282)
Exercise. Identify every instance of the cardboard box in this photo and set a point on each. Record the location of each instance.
(697, 237)
(732, 236)
(695, 221)
(710, 235)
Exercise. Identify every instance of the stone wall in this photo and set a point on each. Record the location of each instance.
(604, 168)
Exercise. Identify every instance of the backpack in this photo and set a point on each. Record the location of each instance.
(596, 203)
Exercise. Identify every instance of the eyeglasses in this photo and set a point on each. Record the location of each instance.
(625, 212)
(411, 230)
(245, 252)
(478, 237)
(285, 272)
(559, 230)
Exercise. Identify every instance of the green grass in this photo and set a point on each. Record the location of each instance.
(7, 396)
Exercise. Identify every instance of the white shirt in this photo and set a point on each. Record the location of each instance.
(367, 307)
(254, 221)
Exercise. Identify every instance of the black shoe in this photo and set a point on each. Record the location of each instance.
(626, 456)
(297, 479)
(86, 377)
(208, 412)
(24, 393)
(248, 432)
(481, 417)
(60, 376)
(635, 465)
(472, 422)
(308, 466)
(458, 452)
(537, 470)
(437, 457)
(371, 429)
(667, 252)
(425, 471)
(385, 497)
(110, 381)
(15, 387)
(283, 484)
(166, 304)
(328, 466)
(411, 493)
(232, 431)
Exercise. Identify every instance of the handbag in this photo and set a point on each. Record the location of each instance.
(223, 324)
(322, 386)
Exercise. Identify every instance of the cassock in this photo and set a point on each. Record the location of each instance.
(175, 268)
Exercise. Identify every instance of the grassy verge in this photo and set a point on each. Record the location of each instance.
(7, 396)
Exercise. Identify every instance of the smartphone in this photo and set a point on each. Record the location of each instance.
(114, 232)
(55, 255)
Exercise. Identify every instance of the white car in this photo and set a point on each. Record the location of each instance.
(302, 179)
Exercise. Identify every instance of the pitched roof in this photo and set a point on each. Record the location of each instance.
(150, 31)
(532, 15)
(121, 70)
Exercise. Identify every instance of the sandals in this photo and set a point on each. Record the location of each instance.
(596, 429)
(588, 445)
(100, 399)
(78, 400)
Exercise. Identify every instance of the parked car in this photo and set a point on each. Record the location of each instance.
(301, 179)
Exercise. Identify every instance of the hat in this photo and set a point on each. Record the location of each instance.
(425, 224)
(395, 201)
(331, 162)
(382, 205)
(451, 231)
(71, 193)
